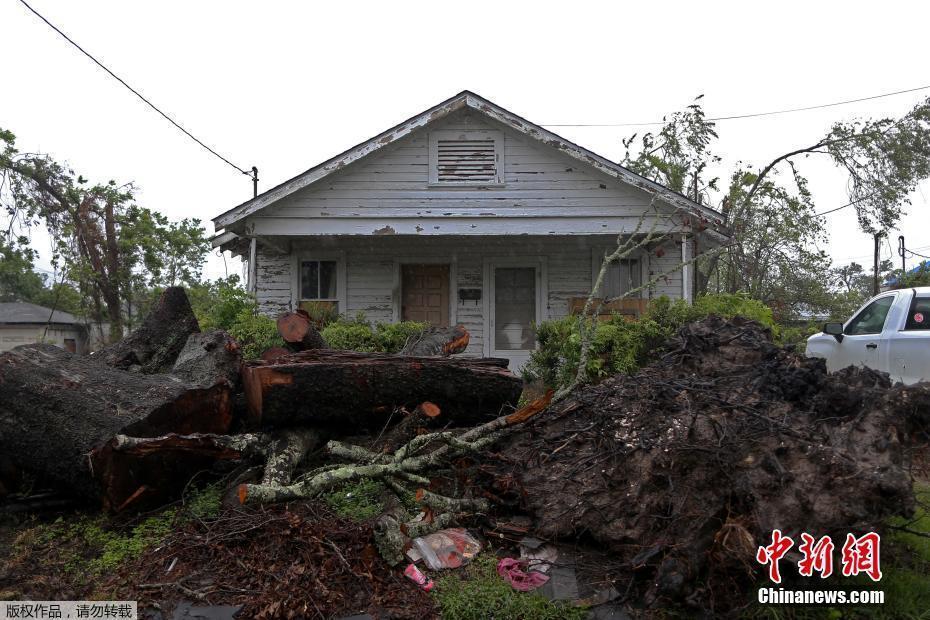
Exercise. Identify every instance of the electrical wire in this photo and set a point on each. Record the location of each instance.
(131, 89)
(752, 115)
(848, 204)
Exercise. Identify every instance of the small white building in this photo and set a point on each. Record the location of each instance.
(25, 323)
(465, 213)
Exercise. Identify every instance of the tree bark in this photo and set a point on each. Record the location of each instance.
(299, 333)
(154, 346)
(59, 411)
(443, 341)
(348, 390)
(207, 358)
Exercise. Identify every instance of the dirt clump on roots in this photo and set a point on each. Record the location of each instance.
(683, 469)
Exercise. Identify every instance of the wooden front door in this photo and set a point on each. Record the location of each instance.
(425, 294)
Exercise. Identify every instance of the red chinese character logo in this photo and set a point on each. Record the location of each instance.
(861, 555)
(773, 553)
(817, 557)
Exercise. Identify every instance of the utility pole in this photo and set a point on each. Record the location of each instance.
(875, 290)
(901, 254)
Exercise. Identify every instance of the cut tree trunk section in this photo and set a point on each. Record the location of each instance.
(298, 331)
(345, 389)
(57, 408)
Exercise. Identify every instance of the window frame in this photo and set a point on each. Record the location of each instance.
(299, 258)
(469, 134)
(846, 328)
(910, 311)
(597, 258)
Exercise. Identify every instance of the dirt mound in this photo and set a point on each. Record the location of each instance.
(684, 468)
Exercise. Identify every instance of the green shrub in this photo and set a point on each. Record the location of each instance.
(224, 304)
(349, 335)
(622, 345)
(217, 304)
(254, 332)
(391, 337)
(359, 335)
(322, 313)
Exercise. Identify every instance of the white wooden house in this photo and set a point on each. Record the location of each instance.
(465, 213)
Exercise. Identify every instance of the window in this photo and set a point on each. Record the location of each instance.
(918, 317)
(466, 157)
(318, 281)
(872, 319)
(622, 277)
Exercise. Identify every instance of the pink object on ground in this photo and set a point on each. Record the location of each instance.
(513, 572)
(415, 575)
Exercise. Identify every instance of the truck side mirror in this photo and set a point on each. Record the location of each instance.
(835, 330)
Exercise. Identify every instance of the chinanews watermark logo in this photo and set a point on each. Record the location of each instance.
(858, 556)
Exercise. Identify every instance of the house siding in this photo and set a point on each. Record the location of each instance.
(371, 282)
(545, 192)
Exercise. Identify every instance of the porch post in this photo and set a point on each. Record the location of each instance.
(687, 279)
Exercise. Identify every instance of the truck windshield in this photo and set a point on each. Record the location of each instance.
(918, 317)
(872, 318)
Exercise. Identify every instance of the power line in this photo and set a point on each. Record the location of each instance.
(753, 115)
(848, 204)
(135, 92)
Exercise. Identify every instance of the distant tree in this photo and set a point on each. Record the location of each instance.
(775, 256)
(106, 244)
(18, 280)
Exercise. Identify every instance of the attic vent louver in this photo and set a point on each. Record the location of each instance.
(465, 157)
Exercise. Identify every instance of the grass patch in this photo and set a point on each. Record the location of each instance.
(358, 501)
(204, 503)
(478, 592)
(90, 546)
(87, 545)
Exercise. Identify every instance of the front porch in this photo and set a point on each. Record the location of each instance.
(499, 288)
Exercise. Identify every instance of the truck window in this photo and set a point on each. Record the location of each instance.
(918, 317)
(872, 318)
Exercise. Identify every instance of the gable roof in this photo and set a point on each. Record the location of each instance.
(25, 313)
(465, 99)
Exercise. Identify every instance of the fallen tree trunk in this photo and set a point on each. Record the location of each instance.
(299, 332)
(57, 408)
(443, 341)
(348, 389)
(154, 346)
(207, 358)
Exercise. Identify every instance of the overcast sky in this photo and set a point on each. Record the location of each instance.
(286, 85)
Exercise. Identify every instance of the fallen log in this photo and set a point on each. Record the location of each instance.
(274, 353)
(299, 332)
(57, 408)
(443, 341)
(349, 390)
(154, 346)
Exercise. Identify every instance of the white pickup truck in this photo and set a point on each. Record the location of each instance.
(890, 333)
